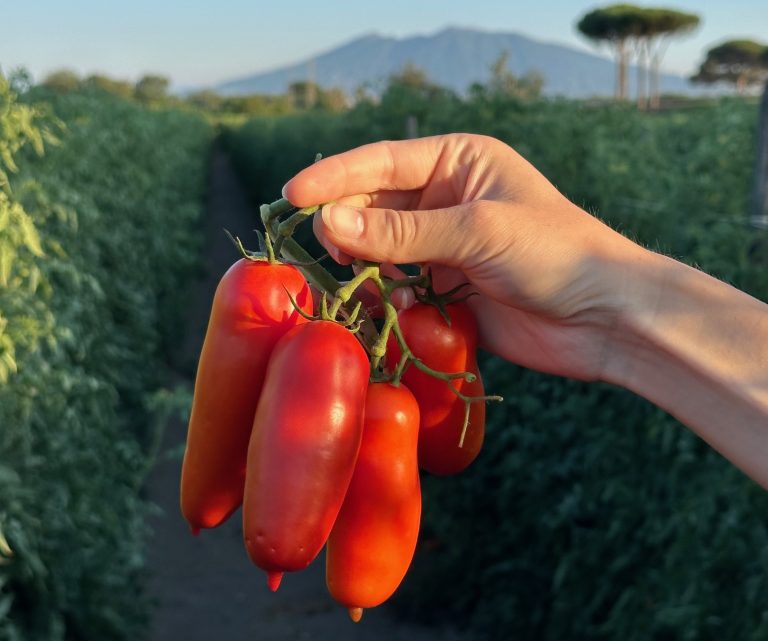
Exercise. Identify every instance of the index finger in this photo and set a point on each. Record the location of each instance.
(402, 165)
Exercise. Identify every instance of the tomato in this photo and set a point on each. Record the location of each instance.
(250, 312)
(305, 440)
(447, 349)
(373, 540)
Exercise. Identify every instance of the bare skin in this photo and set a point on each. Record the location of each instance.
(560, 291)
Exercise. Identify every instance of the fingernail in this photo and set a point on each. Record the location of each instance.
(282, 191)
(334, 253)
(343, 221)
(403, 298)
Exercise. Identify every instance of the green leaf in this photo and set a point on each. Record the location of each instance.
(7, 256)
(9, 361)
(29, 234)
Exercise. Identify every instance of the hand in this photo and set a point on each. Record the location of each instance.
(559, 291)
(549, 275)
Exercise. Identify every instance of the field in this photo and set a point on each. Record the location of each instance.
(589, 515)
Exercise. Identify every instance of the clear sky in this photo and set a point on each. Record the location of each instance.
(197, 43)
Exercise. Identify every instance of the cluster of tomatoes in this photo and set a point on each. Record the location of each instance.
(287, 421)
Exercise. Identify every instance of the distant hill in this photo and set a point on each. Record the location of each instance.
(454, 58)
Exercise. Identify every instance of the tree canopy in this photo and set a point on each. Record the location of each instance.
(152, 88)
(622, 25)
(743, 63)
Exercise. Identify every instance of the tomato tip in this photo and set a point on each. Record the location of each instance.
(355, 614)
(195, 530)
(273, 580)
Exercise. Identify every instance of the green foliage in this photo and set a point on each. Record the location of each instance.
(622, 21)
(121, 88)
(743, 63)
(590, 514)
(503, 82)
(309, 95)
(62, 80)
(151, 89)
(257, 105)
(101, 234)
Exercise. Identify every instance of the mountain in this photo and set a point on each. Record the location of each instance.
(454, 58)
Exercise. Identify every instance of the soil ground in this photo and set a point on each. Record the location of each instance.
(204, 587)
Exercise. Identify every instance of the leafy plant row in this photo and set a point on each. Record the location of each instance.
(590, 514)
(97, 239)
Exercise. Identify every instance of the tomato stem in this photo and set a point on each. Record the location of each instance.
(441, 300)
(316, 274)
(286, 228)
(298, 308)
(277, 209)
(344, 294)
(241, 248)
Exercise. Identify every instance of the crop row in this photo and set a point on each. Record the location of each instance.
(97, 238)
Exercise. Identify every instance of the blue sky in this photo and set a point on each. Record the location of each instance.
(199, 43)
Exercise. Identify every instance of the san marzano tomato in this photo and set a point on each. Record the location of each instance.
(448, 349)
(374, 537)
(251, 311)
(305, 440)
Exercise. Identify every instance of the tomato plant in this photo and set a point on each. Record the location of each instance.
(448, 348)
(374, 538)
(251, 311)
(305, 440)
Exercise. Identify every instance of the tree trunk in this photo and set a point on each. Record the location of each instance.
(622, 69)
(655, 94)
(411, 127)
(759, 213)
(642, 74)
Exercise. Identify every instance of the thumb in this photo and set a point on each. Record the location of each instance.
(392, 236)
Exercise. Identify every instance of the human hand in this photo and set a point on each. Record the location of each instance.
(551, 278)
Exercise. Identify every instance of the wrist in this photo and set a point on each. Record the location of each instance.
(643, 285)
(697, 348)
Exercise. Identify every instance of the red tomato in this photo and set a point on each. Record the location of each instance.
(374, 537)
(250, 312)
(447, 349)
(305, 440)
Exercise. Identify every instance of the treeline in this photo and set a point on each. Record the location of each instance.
(154, 90)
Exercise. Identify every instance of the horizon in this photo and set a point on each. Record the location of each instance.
(198, 47)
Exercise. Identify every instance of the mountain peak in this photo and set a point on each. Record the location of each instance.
(454, 57)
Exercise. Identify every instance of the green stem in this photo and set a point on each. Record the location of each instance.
(418, 363)
(277, 209)
(315, 273)
(286, 228)
(402, 365)
(379, 349)
(408, 281)
(344, 293)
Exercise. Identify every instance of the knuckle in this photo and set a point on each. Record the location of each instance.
(400, 227)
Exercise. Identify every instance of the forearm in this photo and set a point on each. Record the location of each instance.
(698, 348)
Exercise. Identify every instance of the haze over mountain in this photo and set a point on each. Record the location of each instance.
(453, 58)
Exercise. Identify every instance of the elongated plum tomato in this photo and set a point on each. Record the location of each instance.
(447, 349)
(251, 311)
(373, 540)
(305, 439)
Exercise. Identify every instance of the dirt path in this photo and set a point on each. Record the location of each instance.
(205, 587)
